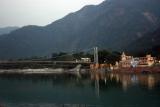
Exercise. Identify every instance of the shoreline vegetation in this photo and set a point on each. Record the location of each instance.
(63, 62)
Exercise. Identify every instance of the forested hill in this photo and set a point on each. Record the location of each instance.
(112, 25)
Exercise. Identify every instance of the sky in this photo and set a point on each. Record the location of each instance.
(38, 12)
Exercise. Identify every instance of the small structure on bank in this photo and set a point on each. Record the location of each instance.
(86, 60)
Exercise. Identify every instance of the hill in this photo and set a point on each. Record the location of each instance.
(147, 44)
(112, 25)
(7, 30)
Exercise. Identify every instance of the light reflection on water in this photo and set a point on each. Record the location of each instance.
(98, 89)
(127, 80)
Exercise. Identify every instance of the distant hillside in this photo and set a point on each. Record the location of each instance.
(113, 25)
(150, 43)
(7, 30)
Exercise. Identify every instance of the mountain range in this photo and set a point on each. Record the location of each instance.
(116, 25)
(7, 30)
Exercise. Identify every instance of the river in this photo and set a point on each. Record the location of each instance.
(67, 90)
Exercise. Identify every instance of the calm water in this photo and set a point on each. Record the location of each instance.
(96, 90)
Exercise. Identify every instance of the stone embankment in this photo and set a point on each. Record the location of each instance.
(154, 69)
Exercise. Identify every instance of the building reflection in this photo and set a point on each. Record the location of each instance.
(149, 80)
(124, 80)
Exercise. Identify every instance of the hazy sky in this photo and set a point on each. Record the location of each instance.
(37, 12)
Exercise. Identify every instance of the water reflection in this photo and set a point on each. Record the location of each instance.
(96, 88)
(101, 80)
(125, 80)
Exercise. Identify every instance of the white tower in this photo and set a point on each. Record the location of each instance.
(123, 57)
(96, 55)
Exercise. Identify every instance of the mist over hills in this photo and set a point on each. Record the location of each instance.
(7, 30)
(115, 25)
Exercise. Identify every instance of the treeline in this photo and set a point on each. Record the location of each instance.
(154, 51)
(62, 56)
(104, 56)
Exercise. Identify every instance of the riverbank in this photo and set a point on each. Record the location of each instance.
(153, 69)
(45, 71)
(28, 64)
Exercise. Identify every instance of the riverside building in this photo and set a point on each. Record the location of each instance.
(130, 61)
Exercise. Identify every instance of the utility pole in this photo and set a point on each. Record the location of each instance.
(96, 55)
